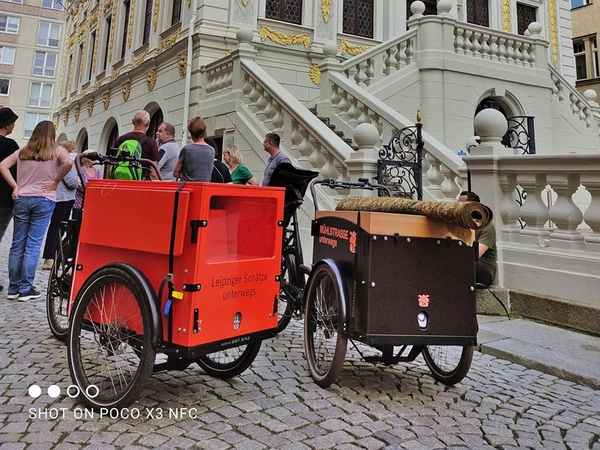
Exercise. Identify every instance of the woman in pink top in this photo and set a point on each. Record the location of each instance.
(41, 165)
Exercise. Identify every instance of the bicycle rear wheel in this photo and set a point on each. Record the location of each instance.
(57, 296)
(110, 351)
(448, 364)
(231, 362)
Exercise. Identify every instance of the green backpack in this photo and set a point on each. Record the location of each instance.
(124, 170)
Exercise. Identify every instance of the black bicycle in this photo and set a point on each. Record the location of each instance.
(61, 273)
(294, 273)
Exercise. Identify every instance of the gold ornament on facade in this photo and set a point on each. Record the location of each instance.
(155, 14)
(352, 49)
(66, 118)
(140, 59)
(106, 100)
(506, 15)
(315, 74)
(126, 87)
(553, 32)
(169, 42)
(189, 3)
(90, 108)
(76, 114)
(182, 63)
(245, 2)
(56, 120)
(151, 77)
(112, 34)
(326, 9)
(131, 19)
(283, 38)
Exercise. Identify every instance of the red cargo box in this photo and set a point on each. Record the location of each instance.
(226, 251)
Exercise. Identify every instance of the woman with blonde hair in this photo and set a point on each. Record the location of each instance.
(41, 165)
(239, 172)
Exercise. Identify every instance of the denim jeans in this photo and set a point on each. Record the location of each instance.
(6, 215)
(31, 218)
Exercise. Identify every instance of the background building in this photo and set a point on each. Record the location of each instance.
(336, 80)
(31, 43)
(586, 35)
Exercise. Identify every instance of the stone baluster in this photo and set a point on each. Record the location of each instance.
(343, 106)
(485, 46)
(360, 77)
(510, 51)
(502, 49)
(402, 55)
(494, 47)
(353, 112)
(458, 40)
(435, 177)
(518, 53)
(509, 211)
(564, 213)
(592, 214)
(390, 61)
(534, 211)
(449, 188)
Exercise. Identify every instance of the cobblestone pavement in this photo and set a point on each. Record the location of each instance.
(275, 404)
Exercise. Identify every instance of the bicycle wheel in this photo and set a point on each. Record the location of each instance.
(287, 291)
(57, 297)
(110, 349)
(325, 340)
(448, 364)
(231, 362)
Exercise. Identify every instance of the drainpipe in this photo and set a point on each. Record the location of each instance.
(188, 73)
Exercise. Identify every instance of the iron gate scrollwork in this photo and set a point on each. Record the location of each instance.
(521, 134)
(399, 166)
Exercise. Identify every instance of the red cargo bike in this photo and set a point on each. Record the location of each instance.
(189, 271)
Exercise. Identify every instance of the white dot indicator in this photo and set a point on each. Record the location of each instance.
(34, 391)
(54, 391)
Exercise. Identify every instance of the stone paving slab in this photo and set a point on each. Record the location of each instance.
(568, 354)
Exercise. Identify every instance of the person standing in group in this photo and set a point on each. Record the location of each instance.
(487, 266)
(168, 152)
(88, 172)
(195, 161)
(41, 166)
(7, 147)
(141, 122)
(239, 172)
(65, 197)
(277, 156)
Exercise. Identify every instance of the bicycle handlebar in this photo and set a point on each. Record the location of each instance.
(112, 160)
(362, 183)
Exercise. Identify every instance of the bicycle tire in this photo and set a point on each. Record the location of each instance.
(325, 340)
(110, 339)
(231, 362)
(447, 364)
(287, 282)
(57, 297)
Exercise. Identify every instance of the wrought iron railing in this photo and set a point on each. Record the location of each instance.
(399, 166)
(521, 134)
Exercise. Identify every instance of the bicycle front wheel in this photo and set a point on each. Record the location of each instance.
(325, 340)
(448, 364)
(110, 349)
